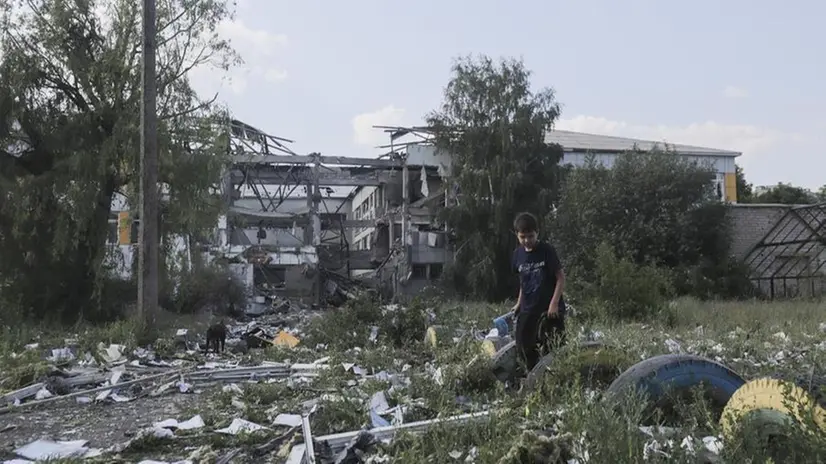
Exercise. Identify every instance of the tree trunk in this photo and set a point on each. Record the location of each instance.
(91, 250)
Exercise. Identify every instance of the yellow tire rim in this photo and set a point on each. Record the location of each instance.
(775, 395)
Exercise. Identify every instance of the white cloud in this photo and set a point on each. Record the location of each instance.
(732, 91)
(258, 49)
(363, 131)
(747, 139)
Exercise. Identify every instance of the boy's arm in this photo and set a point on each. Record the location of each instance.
(552, 260)
(518, 304)
(515, 270)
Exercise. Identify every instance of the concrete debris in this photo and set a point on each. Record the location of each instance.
(241, 426)
(43, 450)
(196, 422)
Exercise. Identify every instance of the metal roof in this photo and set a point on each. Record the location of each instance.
(579, 141)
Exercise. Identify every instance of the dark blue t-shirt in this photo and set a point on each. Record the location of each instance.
(537, 276)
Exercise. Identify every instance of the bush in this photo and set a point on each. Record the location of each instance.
(655, 209)
(708, 280)
(623, 289)
(212, 287)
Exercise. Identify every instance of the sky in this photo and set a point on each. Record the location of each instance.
(737, 75)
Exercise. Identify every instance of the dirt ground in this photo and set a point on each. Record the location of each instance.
(102, 424)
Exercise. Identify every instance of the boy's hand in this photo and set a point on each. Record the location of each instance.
(553, 309)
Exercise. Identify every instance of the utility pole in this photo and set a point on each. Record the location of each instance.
(149, 245)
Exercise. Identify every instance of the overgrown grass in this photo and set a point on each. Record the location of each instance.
(747, 336)
(561, 420)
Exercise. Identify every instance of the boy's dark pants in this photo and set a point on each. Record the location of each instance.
(527, 330)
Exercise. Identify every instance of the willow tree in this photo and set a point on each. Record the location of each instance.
(70, 132)
(494, 126)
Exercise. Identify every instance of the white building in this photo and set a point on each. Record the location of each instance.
(578, 146)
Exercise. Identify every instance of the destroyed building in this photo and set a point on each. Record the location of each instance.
(321, 228)
(407, 240)
(313, 227)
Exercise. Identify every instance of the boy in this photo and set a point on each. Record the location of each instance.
(541, 281)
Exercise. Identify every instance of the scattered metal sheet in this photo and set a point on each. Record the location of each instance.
(337, 442)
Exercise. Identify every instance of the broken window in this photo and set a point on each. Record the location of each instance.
(436, 270)
(134, 236)
(112, 231)
(397, 231)
(269, 277)
(418, 271)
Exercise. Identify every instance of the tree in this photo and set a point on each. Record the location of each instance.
(653, 208)
(745, 191)
(494, 125)
(786, 194)
(69, 136)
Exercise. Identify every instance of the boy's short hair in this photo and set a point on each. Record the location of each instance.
(525, 223)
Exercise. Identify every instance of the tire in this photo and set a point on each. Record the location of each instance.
(769, 404)
(504, 363)
(661, 377)
(595, 358)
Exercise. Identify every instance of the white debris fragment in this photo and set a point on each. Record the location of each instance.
(43, 450)
(112, 354)
(374, 333)
(654, 447)
(232, 388)
(150, 461)
(289, 420)
(239, 426)
(378, 403)
(61, 355)
(155, 432)
(713, 444)
(43, 393)
(673, 346)
(195, 422)
(688, 445)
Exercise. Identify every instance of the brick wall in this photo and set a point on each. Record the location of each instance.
(788, 270)
(750, 223)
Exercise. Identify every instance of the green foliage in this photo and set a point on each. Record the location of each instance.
(745, 190)
(214, 287)
(710, 279)
(69, 138)
(493, 125)
(352, 325)
(787, 194)
(655, 209)
(623, 289)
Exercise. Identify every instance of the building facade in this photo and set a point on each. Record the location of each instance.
(578, 146)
